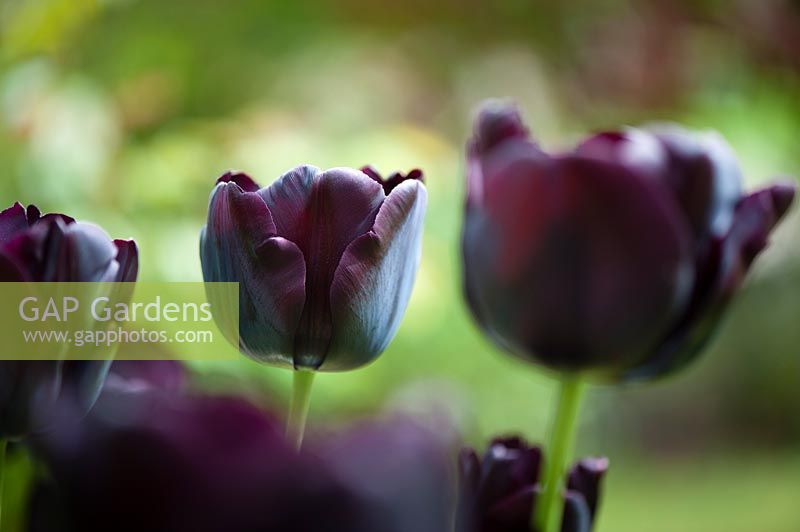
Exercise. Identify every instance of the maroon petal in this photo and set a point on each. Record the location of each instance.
(730, 259)
(585, 478)
(704, 175)
(13, 221)
(394, 179)
(469, 477)
(507, 469)
(10, 270)
(288, 199)
(374, 279)
(576, 261)
(500, 140)
(496, 122)
(700, 170)
(512, 514)
(577, 517)
(342, 206)
(239, 245)
(244, 181)
(87, 254)
(128, 259)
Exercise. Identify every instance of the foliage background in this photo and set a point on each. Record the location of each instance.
(124, 112)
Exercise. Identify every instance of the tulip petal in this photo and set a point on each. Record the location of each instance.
(10, 270)
(288, 200)
(239, 245)
(244, 181)
(469, 477)
(82, 381)
(374, 279)
(508, 466)
(576, 260)
(585, 478)
(87, 255)
(393, 180)
(12, 221)
(705, 177)
(128, 259)
(26, 387)
(755, 217)
(512, 514)
(342, 207)
(497, 121)
(577, 516)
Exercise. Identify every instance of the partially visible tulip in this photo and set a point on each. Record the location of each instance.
(166, 461)
(499, 492)
(54, 248)
(326, 262)
(617, 258)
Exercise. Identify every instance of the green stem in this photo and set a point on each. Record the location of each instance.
(3, 446)
(298, 409)
(550, 504)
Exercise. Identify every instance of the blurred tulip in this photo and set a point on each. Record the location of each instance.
(171, 462)
(616, 258)
(499, 492)
(326, 262)
(54, 248)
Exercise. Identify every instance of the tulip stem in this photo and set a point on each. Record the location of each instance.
(3, 446)
(549, 507)
(298, 408)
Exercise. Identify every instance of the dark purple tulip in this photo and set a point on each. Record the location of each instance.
(54, 248)
(618, 257)
(499, 492)
(157, 460)
(326, 261)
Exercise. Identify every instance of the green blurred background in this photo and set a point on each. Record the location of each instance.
(123, 112)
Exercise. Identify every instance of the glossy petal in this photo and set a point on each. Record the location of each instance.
(557, 285)
(288, 199)
(755, 217)
(342, 207)
(374, 279)
(239, 245)
(704, 176)
(87, 254)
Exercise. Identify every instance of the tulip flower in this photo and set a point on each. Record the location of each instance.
(499, 492)
(616, 258)
(325, 262)
(213, 464)
(54, 248)
(613, 261)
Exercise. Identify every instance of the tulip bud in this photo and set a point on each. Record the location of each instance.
(54, 248)
(498, 493)
(326, 262)
(617, 258)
